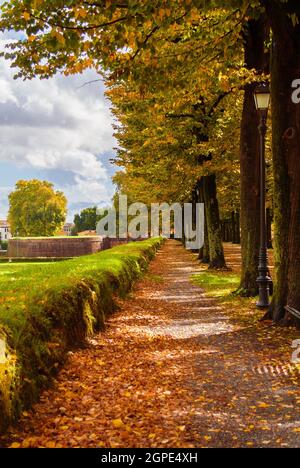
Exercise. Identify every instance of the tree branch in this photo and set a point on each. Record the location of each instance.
(80, 28)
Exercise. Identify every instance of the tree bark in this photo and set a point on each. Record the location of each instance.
(238, 228)
(216, 252)
(204, 252)
(269, 219)
(255, 58)
(285, 68)
(235, 223)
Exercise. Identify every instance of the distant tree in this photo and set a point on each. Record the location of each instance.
(74, 231)
(36, 209)
(86, 220)
(4, 245)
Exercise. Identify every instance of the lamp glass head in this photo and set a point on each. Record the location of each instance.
(262, 97)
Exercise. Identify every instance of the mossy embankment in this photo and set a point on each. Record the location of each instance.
(47, 309)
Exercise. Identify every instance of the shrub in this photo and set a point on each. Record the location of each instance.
(4, 245)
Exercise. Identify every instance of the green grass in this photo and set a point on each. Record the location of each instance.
(217, 284)
(46, 309)
(222, 286)
(7, 267)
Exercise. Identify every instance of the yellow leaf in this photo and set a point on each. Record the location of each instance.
(50, 444)
(26, 443)
(100, 362)
(118, 423)
(26, 15)
(61, 39)
(15, 445)
(82, 13)
(201, 398)
(263, 405)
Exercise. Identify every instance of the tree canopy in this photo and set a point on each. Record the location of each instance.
(86, 220)
(36, 209)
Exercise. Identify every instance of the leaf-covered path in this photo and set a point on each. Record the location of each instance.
(172, 369)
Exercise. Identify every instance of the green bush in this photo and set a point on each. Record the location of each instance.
(4, 245)
(47, 309)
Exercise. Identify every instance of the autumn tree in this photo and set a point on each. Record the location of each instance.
(115, 36)
(36, 209)
(285, 65)
(255, 36)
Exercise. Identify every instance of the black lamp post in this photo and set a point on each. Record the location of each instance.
(262, 102)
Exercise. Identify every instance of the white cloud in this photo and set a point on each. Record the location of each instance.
(4, 191)
(6, 92)
(57, 125)
(92, 191)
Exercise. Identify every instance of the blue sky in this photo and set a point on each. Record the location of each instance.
(59, 131)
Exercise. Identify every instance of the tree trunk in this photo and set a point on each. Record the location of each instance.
(216, 252)
(233, 229)
(269, 219)
(255, 58)
(285, 68)
(204, 252)
(228, 231)
(235, 223)
(238, 228)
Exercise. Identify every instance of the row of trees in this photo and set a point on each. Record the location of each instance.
(180, 75)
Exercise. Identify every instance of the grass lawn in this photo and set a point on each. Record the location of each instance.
(218, 283)
(222, 286)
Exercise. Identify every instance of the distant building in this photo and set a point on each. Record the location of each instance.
(5, 233)
(67, 229)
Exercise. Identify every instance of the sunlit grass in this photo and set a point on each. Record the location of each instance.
(222, 286)
(218, 284)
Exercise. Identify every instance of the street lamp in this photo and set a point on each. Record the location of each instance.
(262, 102)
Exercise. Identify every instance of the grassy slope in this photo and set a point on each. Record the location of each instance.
(45, 309)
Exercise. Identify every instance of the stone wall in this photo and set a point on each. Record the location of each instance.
(54, 247)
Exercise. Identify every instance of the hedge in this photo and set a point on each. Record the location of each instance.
(48, 309)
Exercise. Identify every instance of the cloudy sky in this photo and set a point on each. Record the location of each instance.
(59, 131)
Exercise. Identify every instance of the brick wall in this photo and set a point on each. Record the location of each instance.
(53, 247)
